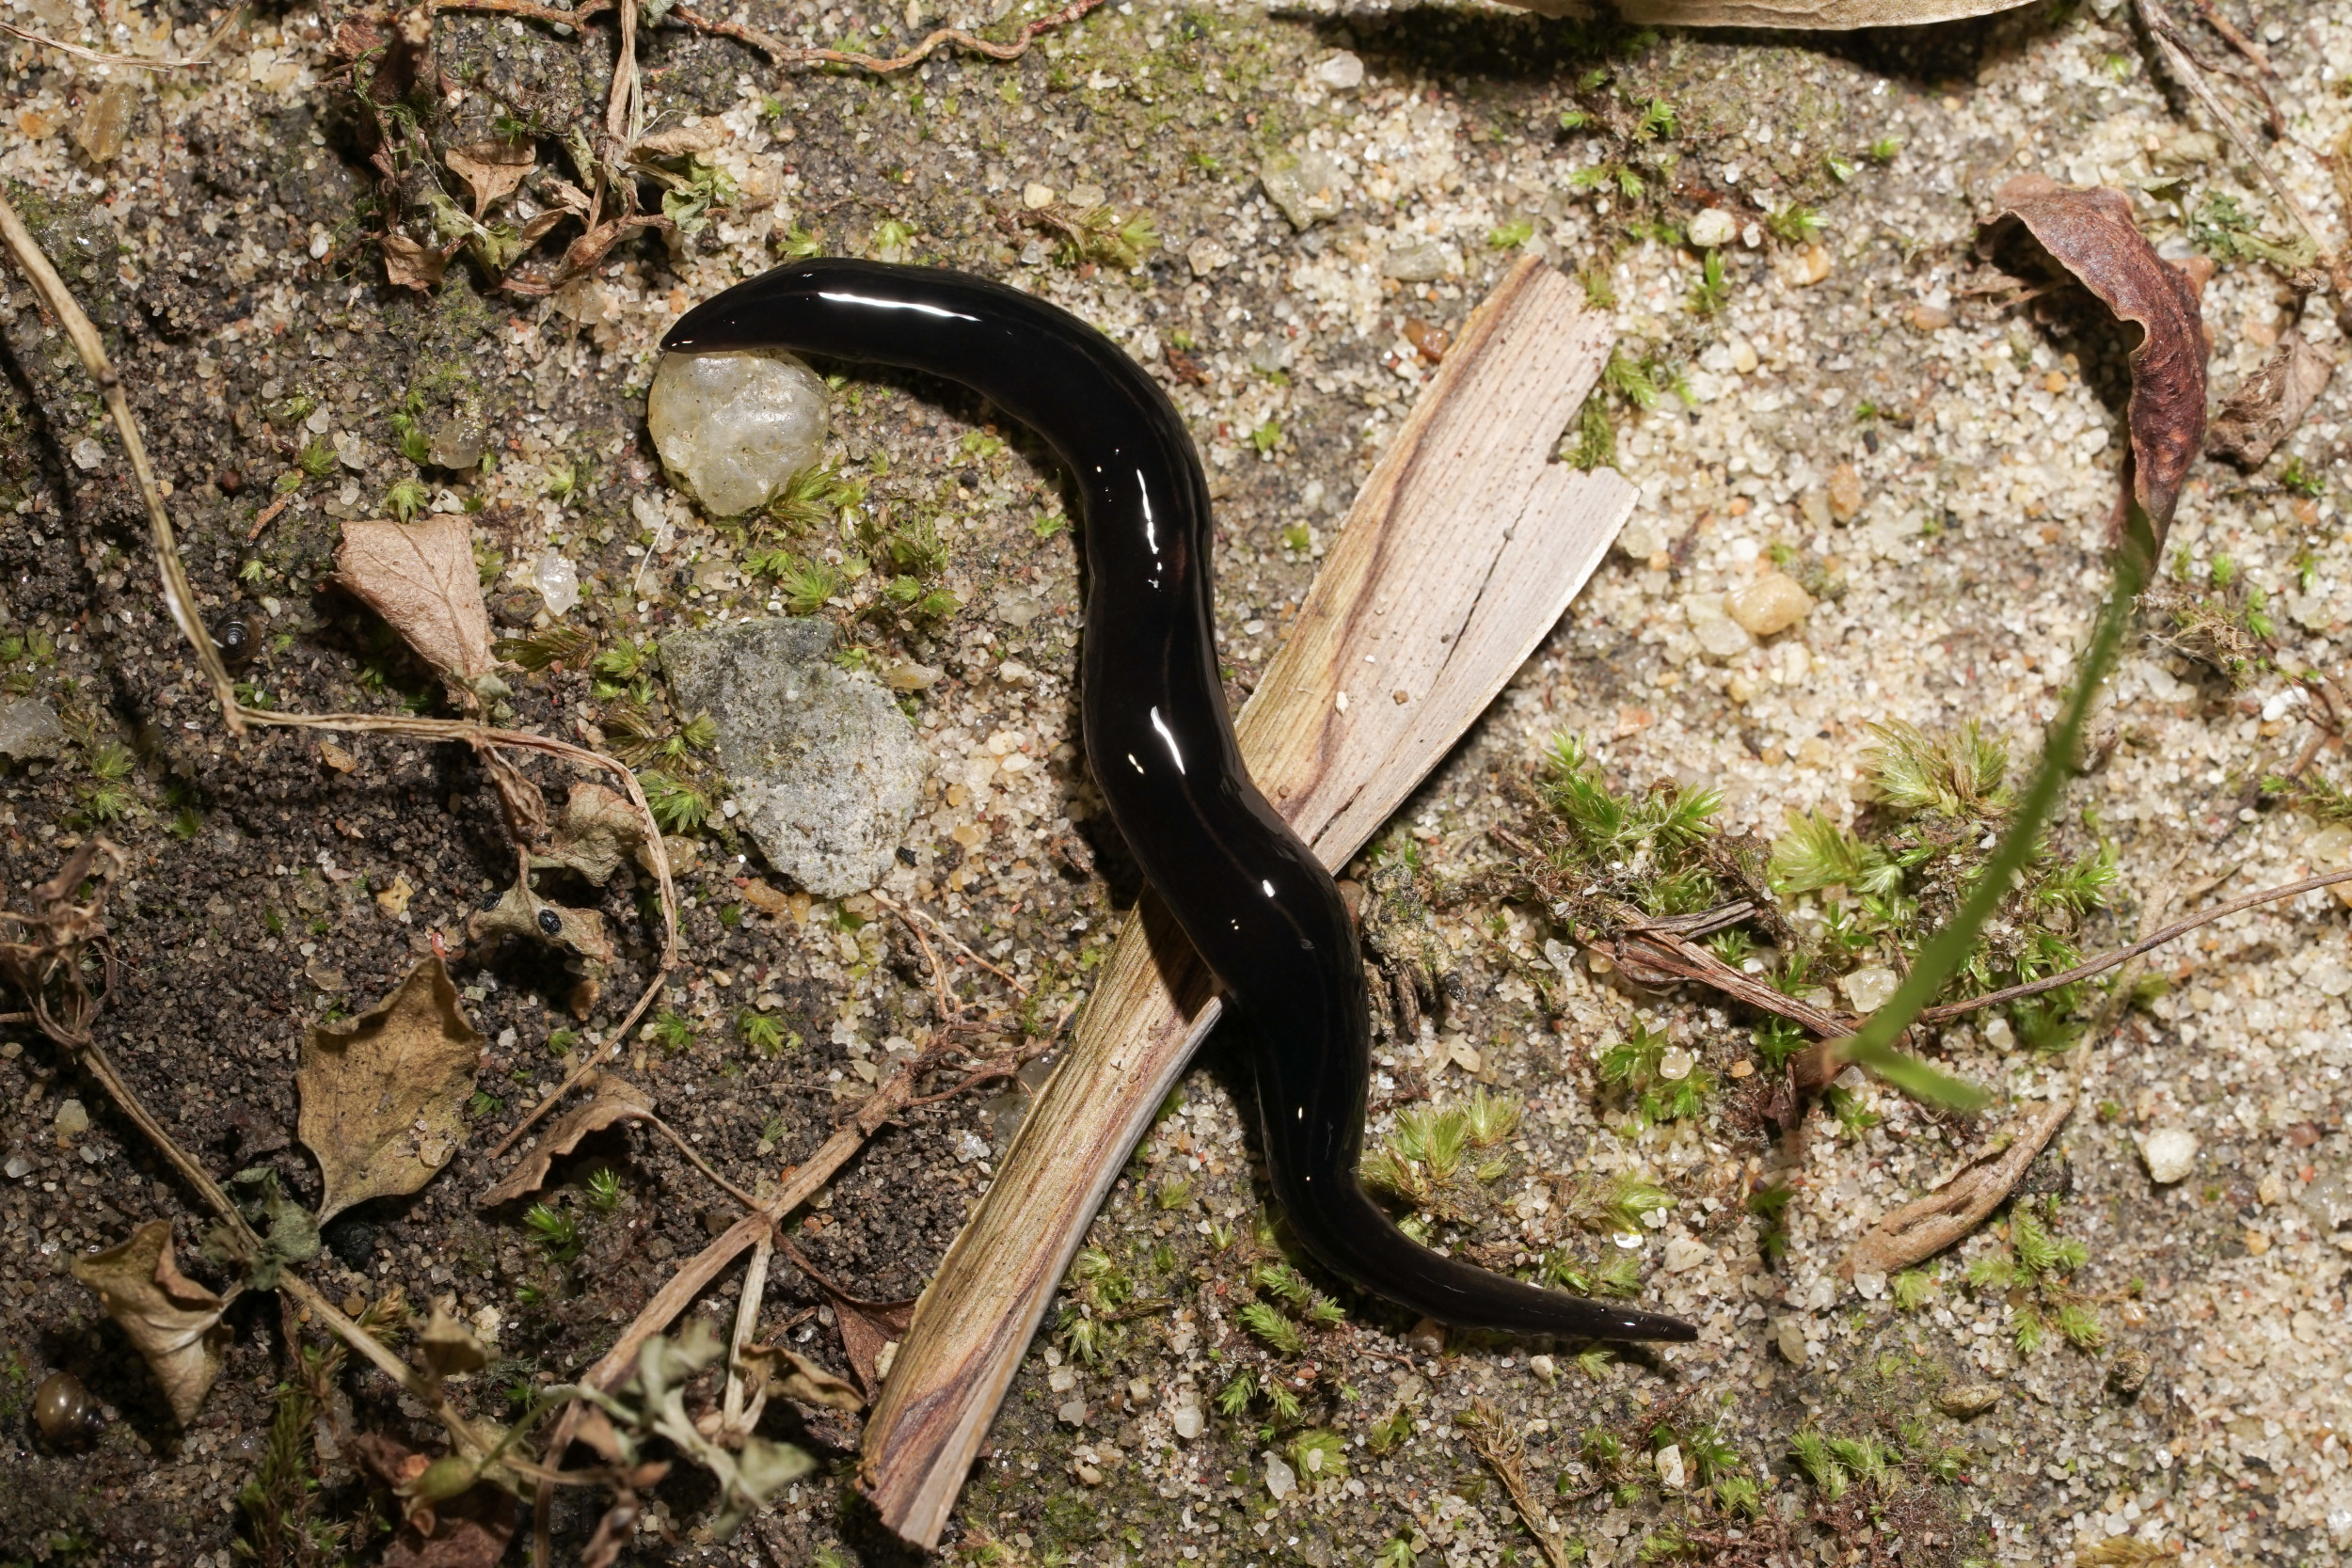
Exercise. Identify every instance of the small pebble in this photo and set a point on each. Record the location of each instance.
(1714, 228)
(1188, 1421)
(72, 1119)
(1867, 988)
(1773, 603)
(1427, 1337)
(1073, 1412)
(2128, 1372)
(1789, 1335)
(1845, 492)
(1547, 1371)
(733, 427)
(1968, 1399)
(2171, 1153)
(1281, 1480)
(1674, 1063)
(1669, 1462)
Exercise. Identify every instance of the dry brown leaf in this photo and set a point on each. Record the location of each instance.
(492, 168)
(865, 1326)
(616, 1099)
(421, 579)
(680, 140)
(2091, 233)
(598, 830)
(766, 900)
(1781, 13)
(521, 912)
(448, 1346)
(1921, 1230)
(2265, 410)
(779, 1369)
(410, 265)
(383, 1097)
(174, 1321)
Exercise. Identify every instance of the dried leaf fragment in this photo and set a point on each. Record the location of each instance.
(2265, 410)
(598, 830)
(410, 265)
(2091, 233)
(492, 169)
(523, 914)
(174, 1321)
(616, 1099)
(468, 1531)
(421, 578)
(1925, 1226)
(780, 1370)
(448, 1346)
(382, 1096)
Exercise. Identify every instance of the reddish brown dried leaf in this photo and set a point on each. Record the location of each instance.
(421, 579)
(2265, 410)
(410, 265)
(492, 169)
(2091, 233)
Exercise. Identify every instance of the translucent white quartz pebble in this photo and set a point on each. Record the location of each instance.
(558, 581)
(733, 427)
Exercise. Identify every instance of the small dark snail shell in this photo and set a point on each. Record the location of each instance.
(239, 638)
(551, 923)
(64, 1410)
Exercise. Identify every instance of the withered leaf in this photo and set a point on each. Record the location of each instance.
(597, 832)
(492, 169)
(2265, 410)
(866, 1327)
(448, 1346)
(616, 1099)
(174, 1321)
(680, 140)
(382, 1096)
(1921, 1228)
(1822, 14)
(2091, 233)
(410, 265)
(421, 578)
(521, 912)
(780, 1370)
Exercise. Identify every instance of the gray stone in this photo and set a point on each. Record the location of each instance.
(2328, 1200)
(29, 729)
(822, 763)
(1306, 185)
(1425, 262)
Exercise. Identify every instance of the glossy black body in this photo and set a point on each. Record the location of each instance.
(1254, 899)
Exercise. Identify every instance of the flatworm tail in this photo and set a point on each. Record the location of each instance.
(1254, 899)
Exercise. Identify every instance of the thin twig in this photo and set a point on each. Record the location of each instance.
(789, 55)
(573, 18)
(947, 1009)
(203, 56)
(746, 1199)
(2109, 960)
(952, 939)
(84, 335)
(263, 518)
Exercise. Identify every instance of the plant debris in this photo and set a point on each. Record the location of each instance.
(170, 1320)
(616, 1099)
(383, 1098)
(421, 579)
(2268, 409)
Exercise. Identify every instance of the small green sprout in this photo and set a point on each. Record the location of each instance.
(557, 1233)
(1711, 293)
(671, 1031)
(677, 806)
(405, 498)
(1912, 1289)
(1511, 233)
(1239, 1390)
(1173, 1194)
(1319, 1454)
(1280, 1334)
(760, 1032)
(1884, 150)
(1266, 436)
(1793, 224)
(604, 1188)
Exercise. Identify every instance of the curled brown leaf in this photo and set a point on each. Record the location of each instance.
(382, 1096)
(410, 265)
(616, 1099)
(1925, 1226)
(779, 1369)
(597, 832)
(2091, 233)
(173, 1321)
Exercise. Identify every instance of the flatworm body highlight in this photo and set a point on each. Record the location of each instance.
(1254, 899)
